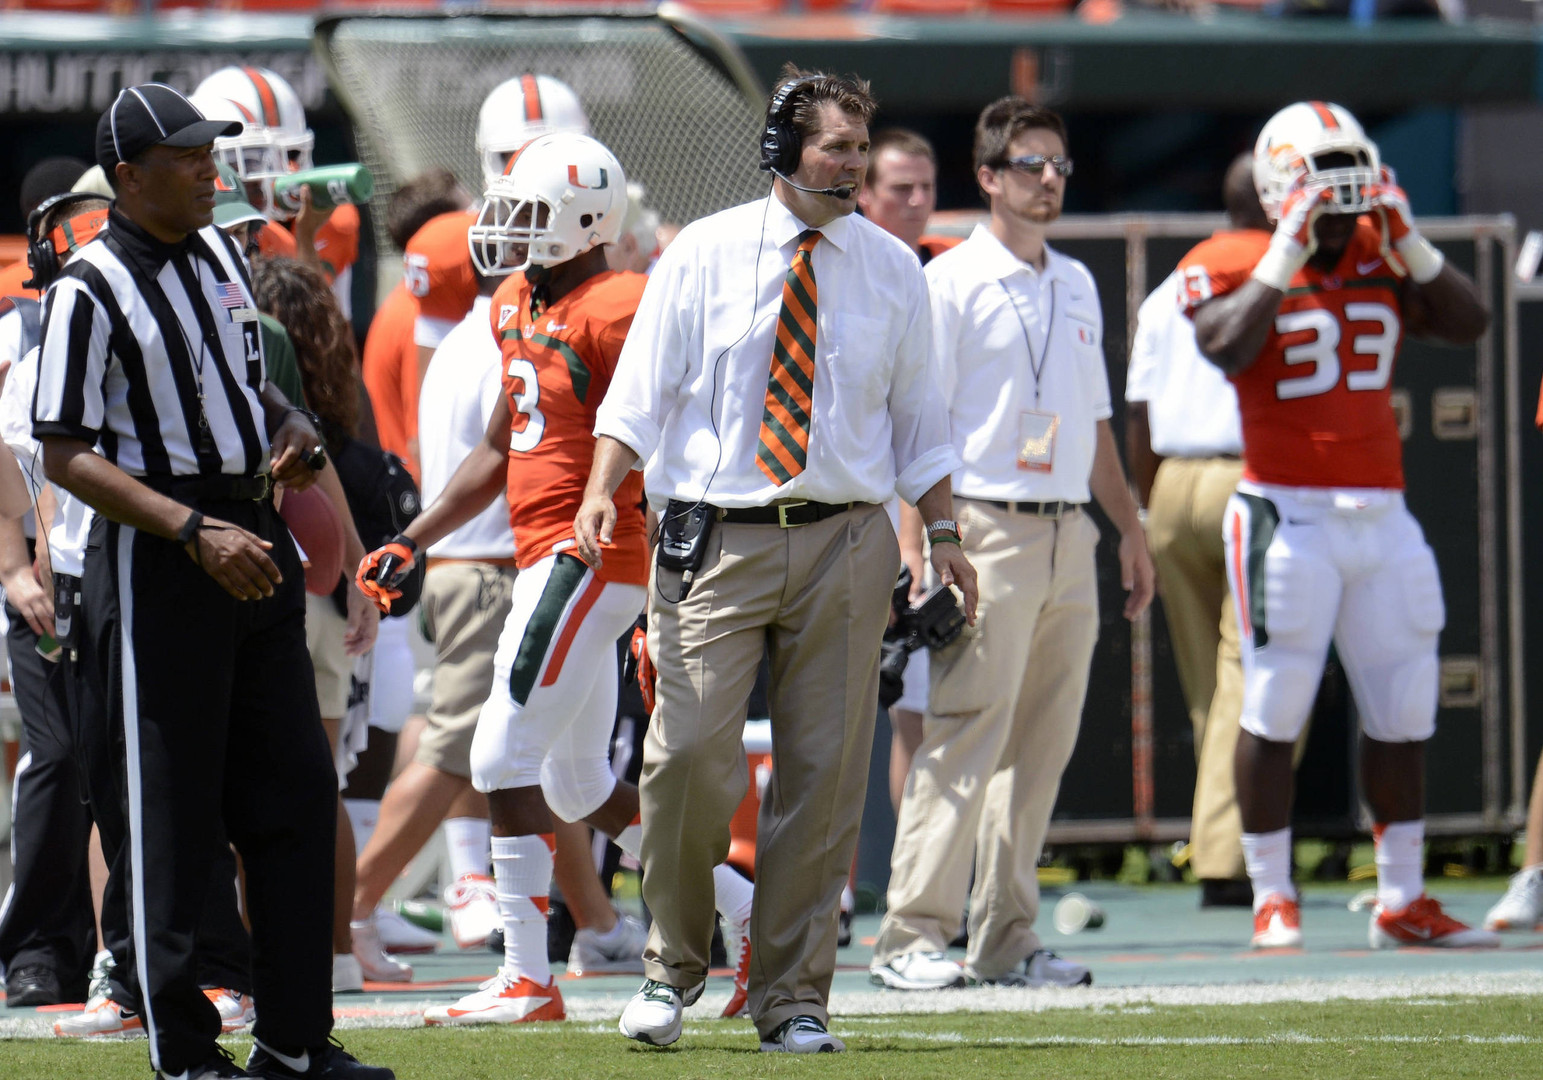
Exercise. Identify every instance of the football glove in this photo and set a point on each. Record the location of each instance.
(383, 570)
(639, 666)
(1294, 241)
(1398, 231)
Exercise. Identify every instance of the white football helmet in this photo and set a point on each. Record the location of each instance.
(560, 196)
(1321, 142)
(519, 110)
(275, 140)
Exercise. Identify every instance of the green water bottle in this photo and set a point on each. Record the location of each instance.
(331, 185)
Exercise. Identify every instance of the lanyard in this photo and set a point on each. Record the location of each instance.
(1036, 366)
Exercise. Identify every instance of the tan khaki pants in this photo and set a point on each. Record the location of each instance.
(815, 597)
(1002, 719)
(1184, 528)
(464, 608)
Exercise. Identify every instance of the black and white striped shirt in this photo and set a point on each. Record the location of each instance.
(131, 329)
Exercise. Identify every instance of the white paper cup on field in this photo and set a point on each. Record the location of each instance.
(1076, 913)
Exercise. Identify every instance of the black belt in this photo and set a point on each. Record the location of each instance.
(1058, 508)
(223, 487)
(787, 515)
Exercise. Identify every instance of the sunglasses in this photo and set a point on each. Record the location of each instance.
(1034, 164)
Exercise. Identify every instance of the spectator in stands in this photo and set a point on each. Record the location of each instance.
(1183, 438)
(1018, 335)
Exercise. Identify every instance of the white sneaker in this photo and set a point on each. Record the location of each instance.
(504, 999)
(1521, 908)
(398, 935)
(803, 1035)
(347, 974)
(620, 951)
(236, 1009)
(375, 963)
(1044, 968)
(473, 905)
(103, 1016)
(653, 1015)
(917, 971)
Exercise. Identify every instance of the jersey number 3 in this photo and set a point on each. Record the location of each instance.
(1322, 350)
(529, 425)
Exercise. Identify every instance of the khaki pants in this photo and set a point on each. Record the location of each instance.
(817, 598)
(1002, 719)
(1184, 527)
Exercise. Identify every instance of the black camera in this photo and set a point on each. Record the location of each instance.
(934, 621)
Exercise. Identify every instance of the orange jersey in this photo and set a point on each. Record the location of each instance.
(439, 273)
(337, 241)
(929, 247)
(391, 374)
(556, 369)
(1317, 404)
(11, 278)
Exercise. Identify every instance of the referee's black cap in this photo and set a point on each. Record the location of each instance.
(153, 114)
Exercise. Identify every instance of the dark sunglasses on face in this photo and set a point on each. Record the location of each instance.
(1034, 164)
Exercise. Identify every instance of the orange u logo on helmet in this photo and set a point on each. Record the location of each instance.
(573, 178)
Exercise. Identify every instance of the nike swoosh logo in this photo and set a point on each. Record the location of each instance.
(1422, 932)
(526, 1006)
(301, 1064)
(1367, 268)
(553, 328)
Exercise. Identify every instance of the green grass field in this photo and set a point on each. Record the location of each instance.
(1447, 1038)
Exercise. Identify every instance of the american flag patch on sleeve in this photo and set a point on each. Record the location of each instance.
(229, 294)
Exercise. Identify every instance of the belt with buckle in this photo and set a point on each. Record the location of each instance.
(1056, 509)
(221, 487)
(786, 515)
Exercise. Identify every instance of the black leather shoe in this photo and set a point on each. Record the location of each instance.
(32, 984)
(326, 1062)
(1225, 892)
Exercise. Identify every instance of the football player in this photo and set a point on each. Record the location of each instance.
(275, 142)
(1307, 322)
(542, 737)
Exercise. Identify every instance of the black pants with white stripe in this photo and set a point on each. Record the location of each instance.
(46, 918)
(213, 702)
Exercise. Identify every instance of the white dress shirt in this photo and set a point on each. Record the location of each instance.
(72, 523)
(1191, 407)
(690, 386)
(989, 310)
(459, 393)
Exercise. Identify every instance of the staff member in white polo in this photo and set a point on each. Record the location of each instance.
(1019, 338)
(1183, 437)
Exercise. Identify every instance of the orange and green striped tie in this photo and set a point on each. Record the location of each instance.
(784, 447)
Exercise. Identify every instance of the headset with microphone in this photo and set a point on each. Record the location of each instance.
(42, 259)
(781, 143)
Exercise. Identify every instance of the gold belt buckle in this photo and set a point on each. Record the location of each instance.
(782, 514)
(267, 486)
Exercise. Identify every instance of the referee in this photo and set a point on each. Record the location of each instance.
(153, 407)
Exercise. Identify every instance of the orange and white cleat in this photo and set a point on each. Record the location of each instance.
(1424, 923)
(736, 942)
(236, 1009)
(503, 999)
(103, 1016)
(1278, 924)
(473, 904)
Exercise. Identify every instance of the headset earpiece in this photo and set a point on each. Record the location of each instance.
(781, 144)
(42, 259)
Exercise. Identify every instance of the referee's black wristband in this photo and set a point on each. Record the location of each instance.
(190, 528)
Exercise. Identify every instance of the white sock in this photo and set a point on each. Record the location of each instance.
(363, 815)
(848, 901)
(522, 871)
(469, 839)
(1400, 863)
(1268, 858)
(733, 894)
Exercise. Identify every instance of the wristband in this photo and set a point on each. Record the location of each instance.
(946, 538)
(1280, 264)
(190, 528)
(315, 420)
(1423, 260)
